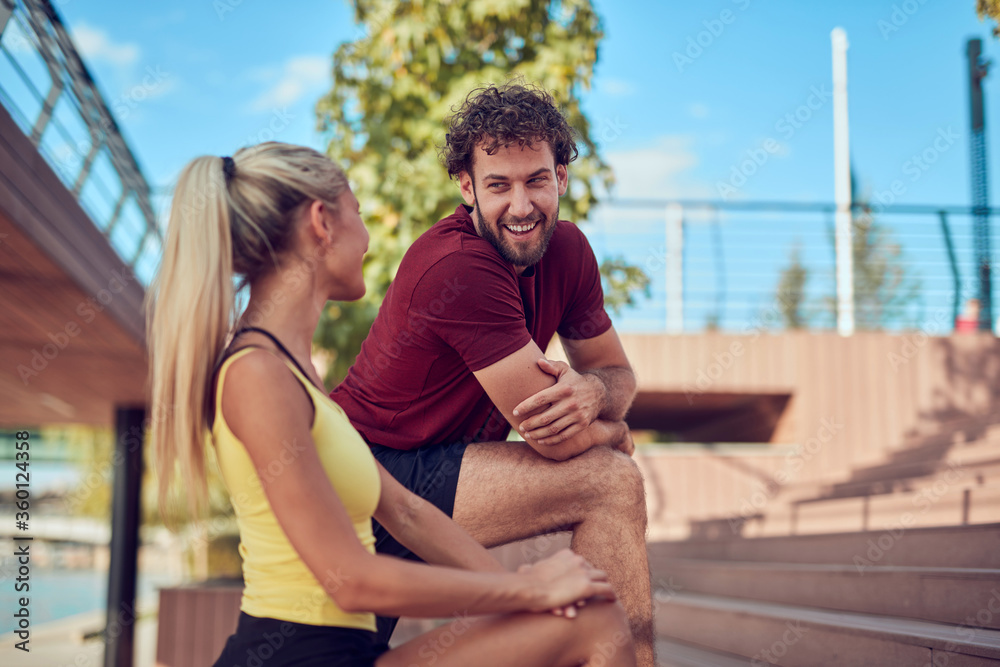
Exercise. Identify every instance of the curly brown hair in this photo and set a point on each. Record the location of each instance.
(496, 116)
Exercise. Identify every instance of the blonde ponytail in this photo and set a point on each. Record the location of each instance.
(187, 328)
(220, 226)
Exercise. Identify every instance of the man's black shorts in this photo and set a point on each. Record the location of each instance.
(431, 472)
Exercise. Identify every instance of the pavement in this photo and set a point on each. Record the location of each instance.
(63, 643)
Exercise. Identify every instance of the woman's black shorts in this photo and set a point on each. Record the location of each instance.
(268, 642)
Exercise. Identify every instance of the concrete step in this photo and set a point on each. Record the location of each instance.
(976, 546)
(956, 497)
(776, 634)
(908, 466)
(969, 425)
(678, 654)
(944, 595)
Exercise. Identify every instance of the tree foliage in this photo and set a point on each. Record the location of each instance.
(791, 291)
(622, 281)
(394, 87)
(990, 8)
(885, 287)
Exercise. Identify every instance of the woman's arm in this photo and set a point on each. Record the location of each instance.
(427, 531)
(267, 410)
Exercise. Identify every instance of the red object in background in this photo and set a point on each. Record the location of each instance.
(964, 324)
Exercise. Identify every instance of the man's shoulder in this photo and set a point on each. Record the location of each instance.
(452, 241)
(569, 231)
(568, 243)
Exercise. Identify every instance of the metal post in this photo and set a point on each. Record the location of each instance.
(119, 630)
(956, 278)
(45, 115)
(842, 186)
(6, 10)
(980, 182)
(675, 269)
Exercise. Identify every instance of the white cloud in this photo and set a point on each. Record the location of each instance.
(94, 44)
(616, 87)
(655, 172)
(297, 77)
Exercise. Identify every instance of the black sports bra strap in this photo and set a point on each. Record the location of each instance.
(274, 340)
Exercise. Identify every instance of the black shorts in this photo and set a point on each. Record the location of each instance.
(431, 472)
(268, 642)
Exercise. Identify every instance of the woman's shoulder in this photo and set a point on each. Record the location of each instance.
(256, 384)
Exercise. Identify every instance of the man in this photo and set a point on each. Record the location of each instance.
(454, 359)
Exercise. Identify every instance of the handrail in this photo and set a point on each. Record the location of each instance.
(70, 78)
(796, 206)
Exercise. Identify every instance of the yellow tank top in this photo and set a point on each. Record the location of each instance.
(277, 583)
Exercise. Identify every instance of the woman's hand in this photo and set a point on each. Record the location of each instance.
(567, 581)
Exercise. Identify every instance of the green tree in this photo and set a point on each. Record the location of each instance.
(395, 86)
(622, 281)
(884, 285)
(791, 291)
(990, 8)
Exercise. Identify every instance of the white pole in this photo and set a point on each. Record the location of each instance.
(842, 186)
(675, 268)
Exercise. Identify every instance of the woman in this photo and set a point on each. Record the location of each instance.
(302, 481)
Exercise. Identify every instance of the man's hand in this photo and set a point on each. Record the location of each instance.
(524, 378)
(626, 445)
(574, 402)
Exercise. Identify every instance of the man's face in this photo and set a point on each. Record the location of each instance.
(515, 193)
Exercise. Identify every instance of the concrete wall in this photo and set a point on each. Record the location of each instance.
(892, 407)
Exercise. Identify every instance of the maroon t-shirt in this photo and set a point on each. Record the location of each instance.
(456, 307)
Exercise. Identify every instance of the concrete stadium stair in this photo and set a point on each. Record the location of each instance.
(946, 595)
(967, 446)
(934, 501)
(772, 634)
(911, 466)
(946, 546)
(679, 654)
(924, 596)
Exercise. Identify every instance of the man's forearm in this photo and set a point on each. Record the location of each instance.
(619, 390)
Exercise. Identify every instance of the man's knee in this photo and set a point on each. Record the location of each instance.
(614, 478)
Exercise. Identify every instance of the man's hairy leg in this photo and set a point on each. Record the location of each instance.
(507, 492)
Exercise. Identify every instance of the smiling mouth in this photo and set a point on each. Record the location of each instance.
(521, 229)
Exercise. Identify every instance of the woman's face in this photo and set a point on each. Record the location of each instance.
(345, 255)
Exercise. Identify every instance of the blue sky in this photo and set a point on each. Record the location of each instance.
(199, 77)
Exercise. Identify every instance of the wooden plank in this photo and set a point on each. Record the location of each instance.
(34, 199)
(80, 377)
(168, 639)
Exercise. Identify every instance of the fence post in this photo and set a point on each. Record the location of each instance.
(842, 186)
(675, 268)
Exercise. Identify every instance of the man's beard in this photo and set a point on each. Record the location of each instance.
(517, 256)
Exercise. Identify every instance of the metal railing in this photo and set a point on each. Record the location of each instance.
(51, 95)
(718, 264)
